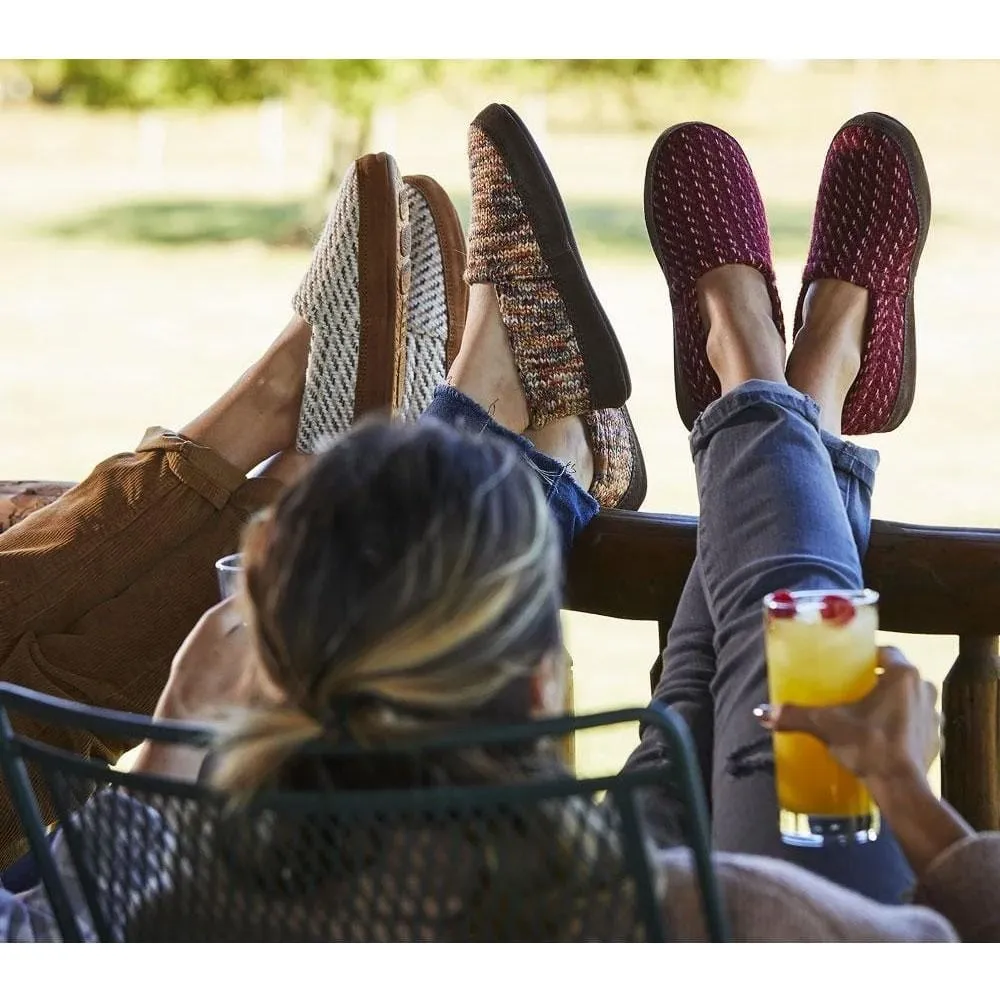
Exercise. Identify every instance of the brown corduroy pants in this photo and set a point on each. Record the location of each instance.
(99, 589)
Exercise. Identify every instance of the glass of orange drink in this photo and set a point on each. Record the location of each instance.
(821, 650)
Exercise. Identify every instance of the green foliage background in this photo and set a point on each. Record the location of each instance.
(355, 88)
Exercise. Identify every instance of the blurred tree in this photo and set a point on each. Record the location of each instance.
(142, 84)
(353, 88)
(618, 73)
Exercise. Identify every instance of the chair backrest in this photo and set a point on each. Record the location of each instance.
(546, 856)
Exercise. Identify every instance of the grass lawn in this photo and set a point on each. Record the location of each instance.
(143, 271)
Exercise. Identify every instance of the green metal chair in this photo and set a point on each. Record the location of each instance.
(545, 857)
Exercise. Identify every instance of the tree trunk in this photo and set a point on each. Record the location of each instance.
(349, 139)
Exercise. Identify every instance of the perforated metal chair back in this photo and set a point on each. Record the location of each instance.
(543, 856)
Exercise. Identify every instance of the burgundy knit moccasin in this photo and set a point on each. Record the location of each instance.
(872, 215)
(703, 210)
(520, 241)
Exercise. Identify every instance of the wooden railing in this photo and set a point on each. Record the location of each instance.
(932, 581)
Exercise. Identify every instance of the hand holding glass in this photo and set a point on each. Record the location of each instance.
(821, 650)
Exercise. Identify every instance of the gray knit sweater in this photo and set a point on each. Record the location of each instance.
(769, 900)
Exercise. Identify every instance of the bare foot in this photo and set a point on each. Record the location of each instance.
(743, 342)
(258, 416)
(826, 356)
(484, 369)
(485, 372)
(565, 440)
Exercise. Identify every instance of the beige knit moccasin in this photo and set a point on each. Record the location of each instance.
(354, 297)
(439, 296)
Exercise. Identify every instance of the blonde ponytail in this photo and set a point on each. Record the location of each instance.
(257, 744)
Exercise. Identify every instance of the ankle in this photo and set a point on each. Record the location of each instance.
(819, 363)
(826, 356)
(484, 369)
(747, 350)
(742, 343)
(258, 415)
(565, 440)
(489, 389)
(286, 467)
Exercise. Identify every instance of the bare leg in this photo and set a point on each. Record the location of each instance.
(258, 416)
(826, 357)
(485, 372)
(484, 369)
(743, 343)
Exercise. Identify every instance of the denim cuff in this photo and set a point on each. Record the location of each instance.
(457, 409)
(852, 459)
(846, 456)
(571, 505)
(751, 394)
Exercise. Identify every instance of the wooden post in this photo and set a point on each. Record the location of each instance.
(271, 137)
(152, 146)
(970, 754)
(19, 498)
(569, 703)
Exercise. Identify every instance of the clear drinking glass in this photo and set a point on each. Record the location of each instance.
(821, 650)
(229, 570)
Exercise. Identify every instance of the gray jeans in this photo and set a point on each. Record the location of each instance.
(782, 505)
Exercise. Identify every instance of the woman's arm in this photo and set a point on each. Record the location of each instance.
(888, 739)
(214, 670)
(924, 826)
(167, 760)
(769, 900)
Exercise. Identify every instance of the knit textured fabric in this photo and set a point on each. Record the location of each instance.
(504, 250)
(427, 317)
(613, 450)
(707, 211)
(866, 231)
(328, 299)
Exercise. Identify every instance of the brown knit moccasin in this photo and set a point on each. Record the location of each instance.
(520, 240)
(619, 469)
